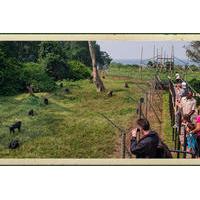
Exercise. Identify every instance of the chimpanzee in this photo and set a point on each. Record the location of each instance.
(67, 90)
(13, 144)
(110, 93)
(17, 125)
(31, 112)
(126, 85)
(46, 101)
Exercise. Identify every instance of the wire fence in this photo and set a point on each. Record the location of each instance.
(147, 106)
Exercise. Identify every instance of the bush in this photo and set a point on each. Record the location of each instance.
(56, 66)
(36, 75)
(78, 70)
(194, 68)
(9, 76)
(195, 84)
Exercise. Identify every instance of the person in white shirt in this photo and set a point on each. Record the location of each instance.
(179, 91)
(185, 89)
(186, 106)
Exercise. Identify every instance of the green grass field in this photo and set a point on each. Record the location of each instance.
(71, 126)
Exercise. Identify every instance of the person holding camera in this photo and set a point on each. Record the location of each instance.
(147, 145)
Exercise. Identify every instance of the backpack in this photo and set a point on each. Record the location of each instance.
(192, 143)
(163, 150)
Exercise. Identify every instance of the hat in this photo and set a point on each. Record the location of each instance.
(184, 84)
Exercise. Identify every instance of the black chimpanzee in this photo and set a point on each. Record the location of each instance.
(31, 112)
(110, 93)
(13, 144)
(126, 85)
(17, 125)
(46, 101)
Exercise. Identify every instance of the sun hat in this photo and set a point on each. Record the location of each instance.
(184, 84)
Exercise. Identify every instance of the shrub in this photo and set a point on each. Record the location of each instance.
(195, 84)
(56, 66)
(194, 68)
(36, 75)
(9, 76)
(78, 70)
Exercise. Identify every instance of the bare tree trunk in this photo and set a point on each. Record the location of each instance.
(96, 78)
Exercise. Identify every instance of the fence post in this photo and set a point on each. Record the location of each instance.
(146, 105)
(140, 110)
(123, 144)
(175, 140)
(140, 107)
(149, 99)
(179, 133)
(185, 144)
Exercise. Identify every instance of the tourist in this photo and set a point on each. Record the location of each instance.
(179, 91)
(197, 130)
(185, 122)
(192, 145)
(184, 89)
(146, 147)
(186, 106)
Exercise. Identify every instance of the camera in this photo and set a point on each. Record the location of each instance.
(141, 100)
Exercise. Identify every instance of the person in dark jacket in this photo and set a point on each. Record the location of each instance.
(146, 147)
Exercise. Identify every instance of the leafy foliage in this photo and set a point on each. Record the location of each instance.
(53, 47)
(9, 75)
(34, 74)
(79, 51)
(195, 84)
(193, 51)
(42, 63)
(22, 51)
(56, 67)
(78, 70)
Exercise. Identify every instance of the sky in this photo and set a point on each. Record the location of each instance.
(132, 49)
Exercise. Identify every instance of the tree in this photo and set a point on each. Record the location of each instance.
(56, 66)
(21, 51)
(79, 50)
(54, 56)
(53, 47)
(106, 58)
(96, 78)
(150, 63)
(193, 51)
(10, 82)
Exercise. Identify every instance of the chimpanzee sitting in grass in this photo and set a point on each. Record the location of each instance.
(46, 101)
(126, 85)
(31, 112)
(67, 90)
(110, 93)
(13, 144)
